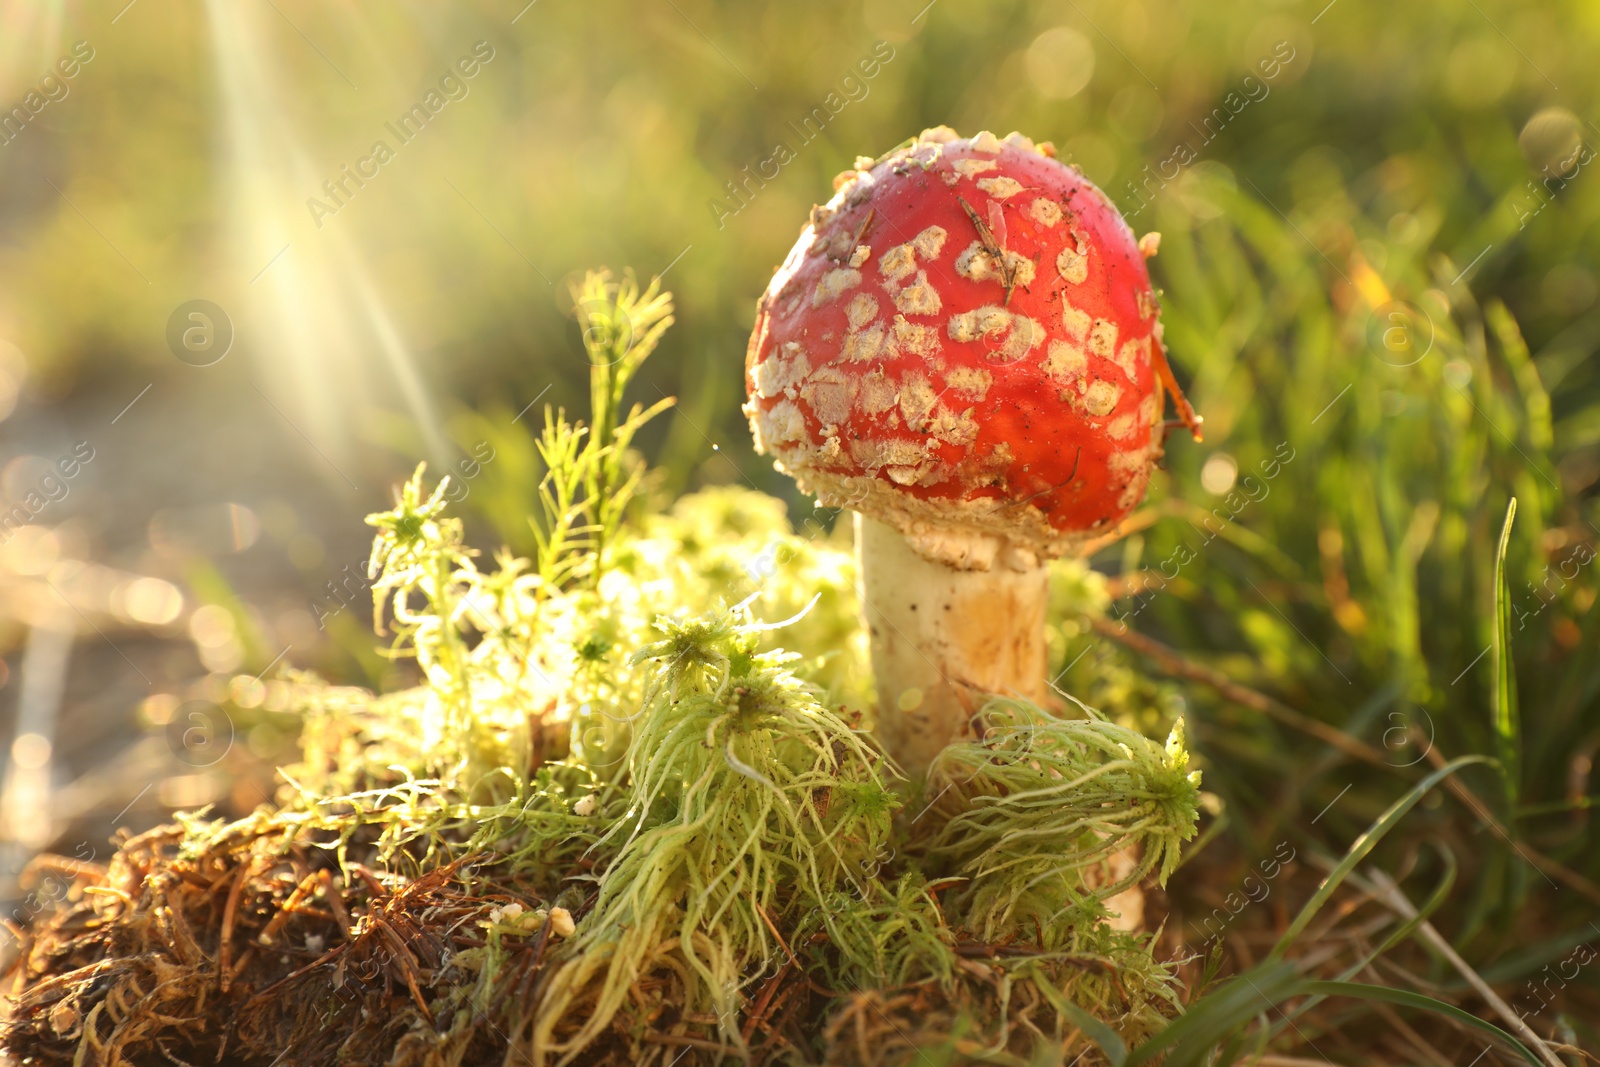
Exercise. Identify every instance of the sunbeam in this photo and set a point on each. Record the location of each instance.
(314, 319)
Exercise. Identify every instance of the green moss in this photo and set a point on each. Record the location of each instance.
(1033, 815)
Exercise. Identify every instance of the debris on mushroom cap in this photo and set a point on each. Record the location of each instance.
(964, 343)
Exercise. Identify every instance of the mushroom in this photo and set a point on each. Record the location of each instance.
(963, 347)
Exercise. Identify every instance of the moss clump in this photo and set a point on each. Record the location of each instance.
(1035, 814)
(615, 823)
(747, 804)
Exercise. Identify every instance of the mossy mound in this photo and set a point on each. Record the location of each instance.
(617, 824)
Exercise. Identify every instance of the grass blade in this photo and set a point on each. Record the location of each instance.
(1507, 727)
(1364, 845)
(1103, 1036)
(1401, 933)
(1406, 998)
(1218, 1014)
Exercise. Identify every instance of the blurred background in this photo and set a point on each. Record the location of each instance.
(259, 257)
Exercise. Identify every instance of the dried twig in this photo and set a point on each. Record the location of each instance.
(992, 246)
(229, 914)
(1172, 663)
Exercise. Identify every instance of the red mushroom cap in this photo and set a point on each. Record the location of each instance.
(963, 344)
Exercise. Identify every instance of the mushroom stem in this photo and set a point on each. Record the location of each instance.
(943, 640)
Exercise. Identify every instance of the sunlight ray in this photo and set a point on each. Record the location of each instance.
(328, 344)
